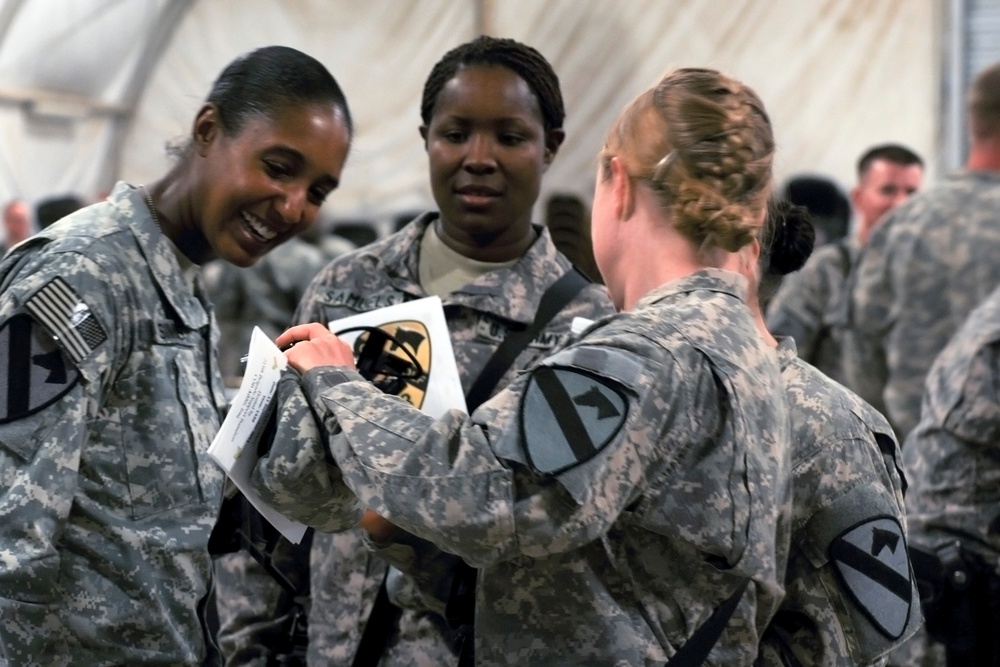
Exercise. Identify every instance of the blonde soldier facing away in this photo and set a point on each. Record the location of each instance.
(113, 394)
(618, 493)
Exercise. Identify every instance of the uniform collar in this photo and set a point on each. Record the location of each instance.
(512, 292)
(159, 253)
(714, 280)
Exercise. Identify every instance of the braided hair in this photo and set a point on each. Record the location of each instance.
(520, 58)
(703, 143)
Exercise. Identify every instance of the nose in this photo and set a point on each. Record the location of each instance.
(293, 206)
(480, 157)
(899, 198)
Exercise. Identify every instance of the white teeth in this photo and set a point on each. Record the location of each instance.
(259, 227)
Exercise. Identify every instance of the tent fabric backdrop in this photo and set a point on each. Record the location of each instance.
(837, 76)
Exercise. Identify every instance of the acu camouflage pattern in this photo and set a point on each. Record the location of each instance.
(108, 496)
(615, 561)
(923, 270)
(808, 304)
(845, 470)
(952, 459)
(344, 575)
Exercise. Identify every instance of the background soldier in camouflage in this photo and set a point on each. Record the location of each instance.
(112, 394)
(924, 269)
(850, 596)
(620, 491)
(263, 295)
(952, 462)
(490, 266)
(809, 303)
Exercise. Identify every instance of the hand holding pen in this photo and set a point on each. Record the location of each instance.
(309, 345)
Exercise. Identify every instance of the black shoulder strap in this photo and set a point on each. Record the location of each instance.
(696, 649)
(559, 293)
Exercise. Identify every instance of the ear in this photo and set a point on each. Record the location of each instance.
(753, 254)
(423, 135)
(553, 140)
(622, 189)
(207, 127)
(855, 193)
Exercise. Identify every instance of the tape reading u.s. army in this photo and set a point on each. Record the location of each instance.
(567, 417)
(36, 372)
(871, 559)
(60, 310)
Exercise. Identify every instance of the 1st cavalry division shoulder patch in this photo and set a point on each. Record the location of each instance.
(872, 561)
(35, 369)
(567, 417)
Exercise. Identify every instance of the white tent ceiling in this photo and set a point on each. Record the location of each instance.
(91, 90)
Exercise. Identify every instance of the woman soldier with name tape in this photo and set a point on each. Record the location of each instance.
(623, 499)
(492, 116)
(112, 391)
(850, 595)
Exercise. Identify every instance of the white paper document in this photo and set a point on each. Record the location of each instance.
(418, 325)
(235, 445)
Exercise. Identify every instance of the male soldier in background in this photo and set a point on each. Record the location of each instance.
(924, 269)
(809, 300)
(16, 224)
(952, 506)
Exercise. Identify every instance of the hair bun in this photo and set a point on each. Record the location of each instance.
(792, 239)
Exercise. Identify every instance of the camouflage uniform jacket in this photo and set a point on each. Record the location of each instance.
(613, 495)
(344, 575)
(952, 458)
(808, 303)
(923, 270)
(107, 496)
(850, 596)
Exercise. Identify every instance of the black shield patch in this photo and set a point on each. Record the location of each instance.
(568, 416)
(872, 561)
(33, 367)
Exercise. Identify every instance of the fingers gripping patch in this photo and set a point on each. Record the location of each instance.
(872, 561)
(567, 417)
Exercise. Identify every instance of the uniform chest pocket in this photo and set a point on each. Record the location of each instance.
(160, 461)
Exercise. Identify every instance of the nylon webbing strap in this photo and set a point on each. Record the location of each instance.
(560, 293)
(696, 649)
(382, 620)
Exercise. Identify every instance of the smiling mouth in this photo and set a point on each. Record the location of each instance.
(258, 229)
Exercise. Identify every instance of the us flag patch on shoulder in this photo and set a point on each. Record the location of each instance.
(60, 310)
